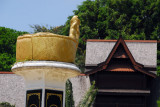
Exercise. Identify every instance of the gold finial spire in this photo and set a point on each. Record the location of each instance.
(74, 28)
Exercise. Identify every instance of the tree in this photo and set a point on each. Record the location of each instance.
(107, 19)
(8, 39)
(69, 102)
(56, 30)
(86, 101)
(89, 97)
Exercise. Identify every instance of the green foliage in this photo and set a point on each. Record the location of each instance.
(69, 102)
(107, 19)
(158, 103)
(86, 101)
(89, 97)
(80, 59)
(6, 104)
(133, 19)
(56, 30)
(6, 60)
(158, 70)
(8, 39)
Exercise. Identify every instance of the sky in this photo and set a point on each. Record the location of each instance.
(20, 14)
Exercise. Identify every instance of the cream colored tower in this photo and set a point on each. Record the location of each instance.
(46, 61)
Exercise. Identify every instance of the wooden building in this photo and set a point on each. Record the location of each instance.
(123, 70)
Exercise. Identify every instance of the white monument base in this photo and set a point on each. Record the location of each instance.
(45, 81)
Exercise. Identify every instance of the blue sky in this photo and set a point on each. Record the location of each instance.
(19, 14)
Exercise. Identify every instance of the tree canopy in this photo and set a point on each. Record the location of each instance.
(56, 30)
(108, 19)
(8, 39)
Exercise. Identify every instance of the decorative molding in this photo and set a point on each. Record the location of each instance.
(137, 66)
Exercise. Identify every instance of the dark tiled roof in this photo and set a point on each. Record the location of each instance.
(105, 65)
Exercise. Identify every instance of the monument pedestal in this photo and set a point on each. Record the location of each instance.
(45, 81)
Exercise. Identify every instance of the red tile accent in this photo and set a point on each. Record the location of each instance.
(6, 72)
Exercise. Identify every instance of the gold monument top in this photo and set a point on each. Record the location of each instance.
(49, 46)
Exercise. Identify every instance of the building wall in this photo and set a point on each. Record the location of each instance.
(80, 85)
(12, 89)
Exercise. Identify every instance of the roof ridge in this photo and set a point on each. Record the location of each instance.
(143, 41)
(136, 65)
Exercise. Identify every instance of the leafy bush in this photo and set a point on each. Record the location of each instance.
(89, 97)
(158, 103)
(6, 104)
(69, 102)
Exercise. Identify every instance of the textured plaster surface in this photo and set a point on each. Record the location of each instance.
(12, 89)
(144, 53)
(80, 85)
